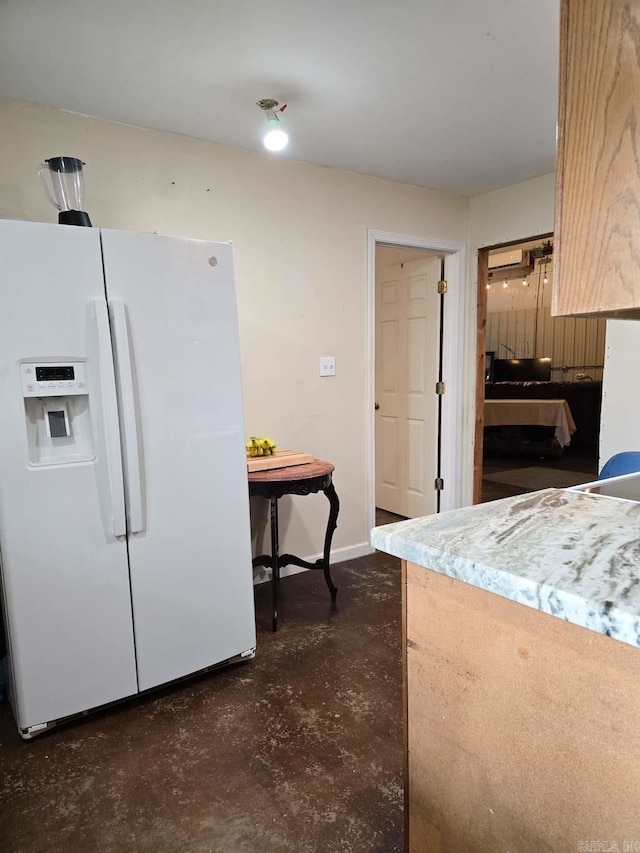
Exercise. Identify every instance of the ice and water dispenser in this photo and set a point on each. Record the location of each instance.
(56, 404)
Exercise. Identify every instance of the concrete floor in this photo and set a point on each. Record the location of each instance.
(569, 461)
(299, 750)
(383, 517)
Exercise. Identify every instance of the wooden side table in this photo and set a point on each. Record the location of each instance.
(297, 480)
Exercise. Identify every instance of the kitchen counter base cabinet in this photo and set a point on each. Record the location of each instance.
(522, 729)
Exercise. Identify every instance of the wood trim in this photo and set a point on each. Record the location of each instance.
(533, 239)
(483, 277)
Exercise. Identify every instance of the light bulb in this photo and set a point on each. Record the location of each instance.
(275, 140)
(546, 280)
(524, 282)
(506, 284)
(488, 287)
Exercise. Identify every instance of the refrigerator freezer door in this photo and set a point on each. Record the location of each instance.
(191, 572)
(65, 574)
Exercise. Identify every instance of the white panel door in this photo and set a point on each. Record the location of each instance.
(65, 574)
(191, 576)
(407, 353)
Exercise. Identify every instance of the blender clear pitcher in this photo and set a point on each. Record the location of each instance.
(67, 189)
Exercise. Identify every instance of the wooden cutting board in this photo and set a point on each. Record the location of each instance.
(279, 459)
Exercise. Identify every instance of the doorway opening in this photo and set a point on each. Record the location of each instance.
(416, 302)
(408, 365)
(539, 378)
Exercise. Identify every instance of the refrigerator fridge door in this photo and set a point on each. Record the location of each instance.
(65, 573)
(174, 320)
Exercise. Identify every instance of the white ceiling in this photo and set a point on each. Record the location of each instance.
(457, 95)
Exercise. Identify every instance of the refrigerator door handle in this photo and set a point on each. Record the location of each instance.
(129, 427)
(110, 417)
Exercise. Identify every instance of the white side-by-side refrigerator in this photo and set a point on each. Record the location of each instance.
(124, 512)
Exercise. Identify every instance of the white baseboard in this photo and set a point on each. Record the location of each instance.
(338, 555)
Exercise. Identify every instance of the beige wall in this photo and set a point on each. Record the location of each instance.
(300, 234)
(513, 213)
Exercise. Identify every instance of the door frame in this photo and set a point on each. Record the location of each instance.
(481, 337)
(481, 346)
(455, 310)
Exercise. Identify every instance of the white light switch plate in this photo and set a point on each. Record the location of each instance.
(328, 366)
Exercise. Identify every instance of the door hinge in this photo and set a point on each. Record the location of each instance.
(439, 484)
(442, 287)
(440, 387)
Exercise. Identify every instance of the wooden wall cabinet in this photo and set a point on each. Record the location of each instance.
(597, 233)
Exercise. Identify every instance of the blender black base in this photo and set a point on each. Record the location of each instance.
(74, 217)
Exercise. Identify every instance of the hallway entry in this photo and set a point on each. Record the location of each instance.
(408, 355)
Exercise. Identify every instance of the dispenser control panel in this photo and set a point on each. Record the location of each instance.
(53, 379)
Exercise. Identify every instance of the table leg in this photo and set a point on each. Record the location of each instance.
(334, 508)
(275, 568)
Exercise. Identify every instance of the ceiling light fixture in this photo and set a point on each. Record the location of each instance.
(275, 138)
(506, 284)
(545, 261)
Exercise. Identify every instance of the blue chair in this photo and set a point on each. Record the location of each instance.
(622, 463)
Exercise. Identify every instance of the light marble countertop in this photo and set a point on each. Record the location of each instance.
(573, 555)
